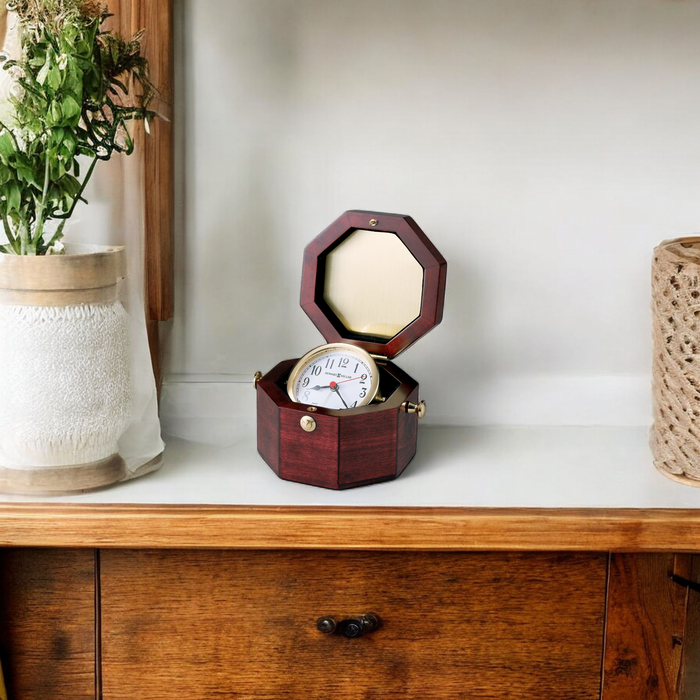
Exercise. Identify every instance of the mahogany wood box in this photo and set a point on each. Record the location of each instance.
(371, 443)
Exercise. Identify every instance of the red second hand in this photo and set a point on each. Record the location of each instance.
(349, 380)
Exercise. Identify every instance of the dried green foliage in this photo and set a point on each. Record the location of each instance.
(76, 88)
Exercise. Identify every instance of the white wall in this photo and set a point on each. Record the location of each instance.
(545, 146)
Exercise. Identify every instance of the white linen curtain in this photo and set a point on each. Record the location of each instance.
(115, 217)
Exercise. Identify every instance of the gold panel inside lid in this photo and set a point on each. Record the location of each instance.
(373, 284)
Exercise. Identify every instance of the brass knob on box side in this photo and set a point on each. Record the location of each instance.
(419, 408)
(256, 378)
(308, 423)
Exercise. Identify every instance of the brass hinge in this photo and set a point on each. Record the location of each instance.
(379, 359)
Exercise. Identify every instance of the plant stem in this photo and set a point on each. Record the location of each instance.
(11, 133)
(13, 243)
(23, 237)
(41, 205)
(58, 234)
(79, 195)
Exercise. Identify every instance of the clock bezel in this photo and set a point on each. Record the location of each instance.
(321, 350)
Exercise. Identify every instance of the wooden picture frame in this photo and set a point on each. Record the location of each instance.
(156, 18)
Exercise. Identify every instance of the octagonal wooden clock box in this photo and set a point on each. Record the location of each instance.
(344, 415)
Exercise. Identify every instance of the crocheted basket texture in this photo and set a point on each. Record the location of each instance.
(64, 386)
(675, 435)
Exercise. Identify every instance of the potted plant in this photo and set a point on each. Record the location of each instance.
(71, 90)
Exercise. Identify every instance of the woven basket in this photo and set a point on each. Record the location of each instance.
(675, 435)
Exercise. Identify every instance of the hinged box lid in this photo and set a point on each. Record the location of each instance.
(374, 280)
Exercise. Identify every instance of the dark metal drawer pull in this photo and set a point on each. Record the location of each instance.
(350, 627)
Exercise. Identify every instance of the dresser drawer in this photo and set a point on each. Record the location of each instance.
(234, 624)
(47, 623)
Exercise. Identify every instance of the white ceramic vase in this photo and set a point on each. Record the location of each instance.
(65, 390)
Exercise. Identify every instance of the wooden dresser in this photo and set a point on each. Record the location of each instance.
(521, 577)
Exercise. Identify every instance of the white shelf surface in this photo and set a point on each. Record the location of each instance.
(529, 467)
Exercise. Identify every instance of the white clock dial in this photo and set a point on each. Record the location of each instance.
(337, 376)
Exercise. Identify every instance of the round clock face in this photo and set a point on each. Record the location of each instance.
(336, 376)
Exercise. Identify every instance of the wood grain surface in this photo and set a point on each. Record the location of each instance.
(47, 623)
(102, 295)
(101, 268)
(61, 280)
(205, 625)
(310, 458)
(154, 346)
(289, 527)
(156, 17)
(157, 153)
(407, 434)
(367, 447)
(690, 662)
(347, 448)
(268, 430)
(646, 615)
(63, 480)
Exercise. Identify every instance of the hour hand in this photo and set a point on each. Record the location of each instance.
(317, 388)
(336, 388)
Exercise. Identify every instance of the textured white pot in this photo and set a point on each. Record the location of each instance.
(64, 371)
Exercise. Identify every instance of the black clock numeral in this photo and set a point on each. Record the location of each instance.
(343, 362)
(353, 405)
(305, 383)
(329, 364)
(364, 376)
(315, 371)
(356, 366)
(363, 393)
